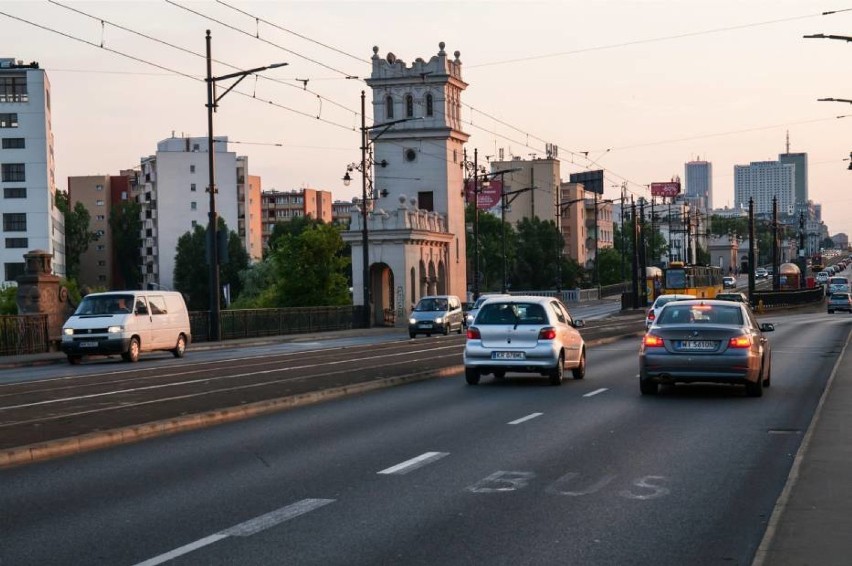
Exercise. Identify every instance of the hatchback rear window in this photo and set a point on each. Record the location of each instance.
(511, 313)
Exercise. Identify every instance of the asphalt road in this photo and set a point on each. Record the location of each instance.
(439, 472)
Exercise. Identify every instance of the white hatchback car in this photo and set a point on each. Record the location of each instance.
(654, 311)
(524, 334)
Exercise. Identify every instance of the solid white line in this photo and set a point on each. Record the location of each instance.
(595, 392)
(414, 463)
(526, 418)
(245, 529)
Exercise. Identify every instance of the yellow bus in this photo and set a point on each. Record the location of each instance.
(703, 281)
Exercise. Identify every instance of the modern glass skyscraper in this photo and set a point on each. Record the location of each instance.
(699, 183)
(800, 177)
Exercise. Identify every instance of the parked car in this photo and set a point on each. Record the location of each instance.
(737, 297)
(127, 323)
(839, 302)
(524, 334)
(706, 341)
(660, 301)
(729, 282)
(436, 314)
(761, 273)
(471, 314)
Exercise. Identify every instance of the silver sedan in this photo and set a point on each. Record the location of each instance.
(524, 334)
(706, 341)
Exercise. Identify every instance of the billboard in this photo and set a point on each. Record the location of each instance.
(489, 193)
(591, 180)
(666, 189)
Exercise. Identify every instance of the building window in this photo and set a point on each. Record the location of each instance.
(101, 217)
(429, 105)
(100, 247)
(196, 147)
(14, 270)
(17, 243)
(13, 173)
(123, 195)
(14, 143)
(102, 263)
(192, 168)
(194, 223)
(192, 187)
(15, 222)
(8, 121)
(425, 200)
(409, 106)
(193, 206)
(102, 278)
(99, 188)
(99, 202)
(388, 107)
(13, 89)
(15, 192)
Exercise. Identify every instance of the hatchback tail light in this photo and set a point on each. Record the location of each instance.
(653, 341)
(651, 315)
(740, 342)
(547, 333)
(473, 333)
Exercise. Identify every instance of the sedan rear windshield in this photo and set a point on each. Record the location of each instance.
(700, 314)
(511, 313)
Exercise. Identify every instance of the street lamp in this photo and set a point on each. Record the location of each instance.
(215, 332)
(364, 168)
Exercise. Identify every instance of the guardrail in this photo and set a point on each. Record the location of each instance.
(255, 323)
(23, 334)
(775, 299)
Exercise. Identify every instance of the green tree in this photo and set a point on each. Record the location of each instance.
(77, 233)
(609, 266)
(8, 300)
(491, 236)
(656, 245)
(293, 227)
(308, 268)
(192, 272)
(126, 226)
(238, 261)
(539, 246)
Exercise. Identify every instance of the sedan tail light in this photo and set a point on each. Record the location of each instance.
(739, 342)
(473, 333)
(547, 333)
(652, 341)
(651, 316)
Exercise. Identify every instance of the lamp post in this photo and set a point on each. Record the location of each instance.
(365, 168)
(215, 332)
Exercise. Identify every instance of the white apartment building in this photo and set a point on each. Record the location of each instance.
(30, 217)
(763, 180)
(175, 200)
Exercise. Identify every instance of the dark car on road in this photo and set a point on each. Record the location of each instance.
(839, 302)
(737, 297)
(706, 341)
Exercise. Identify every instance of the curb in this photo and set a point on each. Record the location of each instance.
(42, 451)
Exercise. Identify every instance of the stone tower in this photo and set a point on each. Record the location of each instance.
(416, 226)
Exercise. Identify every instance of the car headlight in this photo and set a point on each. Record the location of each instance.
(439, 320)
(114, 329)
(412, 321)
(68, 331)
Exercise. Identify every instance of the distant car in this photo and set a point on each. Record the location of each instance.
(658, 305)
(736, 297)
(436, 314)
(822, 277)
(706, 340)
(471, 314)
(524, 334)
(729, 282)
(839, 302)
(761, 273)
(837, 285)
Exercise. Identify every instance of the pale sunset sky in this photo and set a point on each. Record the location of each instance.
(634, 87)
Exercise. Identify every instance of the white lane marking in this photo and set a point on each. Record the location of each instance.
(245, 529)
(525, 419)
(414, 463)
(595, 392)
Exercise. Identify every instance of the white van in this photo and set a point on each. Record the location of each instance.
(127, 323)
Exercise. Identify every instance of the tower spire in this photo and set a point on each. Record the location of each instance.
(788, 141)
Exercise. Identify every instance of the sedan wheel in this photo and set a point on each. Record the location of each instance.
(558, 372)
(648, 387)
(767, 377)
(754, 389)
(579, 372)
(471, 375)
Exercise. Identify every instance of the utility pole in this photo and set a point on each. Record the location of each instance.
(635, 254)
(751, 250)
(475, 224)
(643, 259)
(803, 262)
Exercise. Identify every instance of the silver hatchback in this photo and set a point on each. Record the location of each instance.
(524, 334)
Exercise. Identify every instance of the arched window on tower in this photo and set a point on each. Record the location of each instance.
(389, 107)
(429, 105)
(409, 106)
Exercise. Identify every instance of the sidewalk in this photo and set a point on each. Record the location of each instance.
(812, 520)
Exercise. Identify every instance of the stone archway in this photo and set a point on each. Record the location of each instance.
(382, 294)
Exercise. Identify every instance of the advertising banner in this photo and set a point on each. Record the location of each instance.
(592, 180)
(666, 189)
(489, 193)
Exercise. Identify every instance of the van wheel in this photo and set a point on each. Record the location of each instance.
(75, 360)
(411, 334)
(132, 353)
(461, 327)
(180, 347)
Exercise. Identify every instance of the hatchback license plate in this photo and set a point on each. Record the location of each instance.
(88, 344)
(697, 345)
(507, 356)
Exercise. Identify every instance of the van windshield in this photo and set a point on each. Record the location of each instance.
(105, 304)
(430, 305)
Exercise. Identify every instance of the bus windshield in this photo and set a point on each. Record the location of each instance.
(675, 278)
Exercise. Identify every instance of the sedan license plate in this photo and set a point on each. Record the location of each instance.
(88, 344)
(425, 325)
(507, 356)
(697, 345)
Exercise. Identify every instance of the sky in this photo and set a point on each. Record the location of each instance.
(634, 87)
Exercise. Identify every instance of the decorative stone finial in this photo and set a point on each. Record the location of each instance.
(391, 58)
(441, 47)
(457, 54)
(375, 50)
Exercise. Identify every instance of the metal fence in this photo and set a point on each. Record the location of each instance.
(775, 299)
(255, 323)
(23, 334)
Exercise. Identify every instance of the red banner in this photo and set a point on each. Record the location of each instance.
(489, 193)
(667, 189)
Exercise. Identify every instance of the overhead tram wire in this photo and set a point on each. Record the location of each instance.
(197, 54)
(173, 71)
